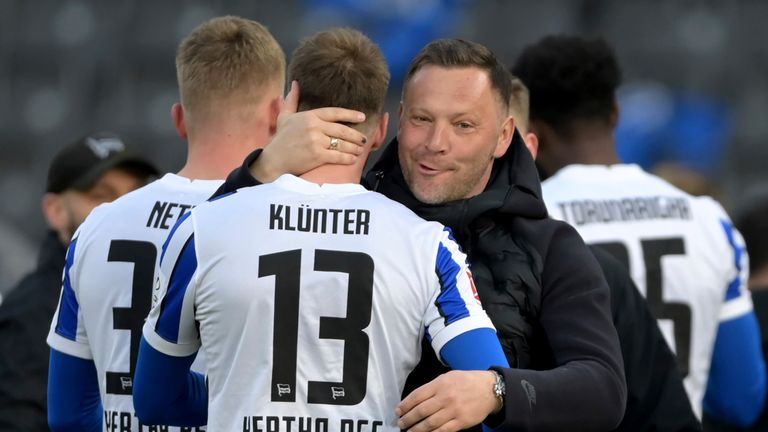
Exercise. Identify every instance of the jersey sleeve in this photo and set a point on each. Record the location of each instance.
(171, 327)
(737, 301)
(454, 306)
(67, 333)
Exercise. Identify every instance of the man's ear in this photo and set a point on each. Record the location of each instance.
(532, 143)
(54, 212)
(505, 137)
(275, 107)
(380, 132)
(177, 114)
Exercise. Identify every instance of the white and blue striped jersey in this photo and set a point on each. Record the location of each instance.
(309, 302)
(107, 288)
(682, 252)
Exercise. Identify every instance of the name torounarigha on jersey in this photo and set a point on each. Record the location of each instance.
(682, 252)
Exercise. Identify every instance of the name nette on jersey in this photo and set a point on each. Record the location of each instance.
(121, 421)
(307, 424)
(319, 220)
(164, 214)
(587, 211)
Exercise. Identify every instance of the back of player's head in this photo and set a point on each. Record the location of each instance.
(340, 67)
(460, 53)
(519, 103)
(570, 79)
(227, 57)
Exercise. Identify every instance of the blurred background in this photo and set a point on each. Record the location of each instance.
(694, 103)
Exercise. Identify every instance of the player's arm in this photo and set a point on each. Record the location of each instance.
(462, 334)
(165, 390)
(74, 403)
(736, 389)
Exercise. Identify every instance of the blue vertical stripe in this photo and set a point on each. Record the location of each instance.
(168, 321)
(173, 231)
(67, 323)
(449, 301)
(733, 288)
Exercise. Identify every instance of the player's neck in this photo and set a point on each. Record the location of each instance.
(587, 147)
(214, 156)
(334, 174)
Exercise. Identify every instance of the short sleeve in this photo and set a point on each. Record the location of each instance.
(171, 327)
(455, 306)
(67, 333)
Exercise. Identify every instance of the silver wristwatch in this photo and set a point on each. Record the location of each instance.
(499, 387)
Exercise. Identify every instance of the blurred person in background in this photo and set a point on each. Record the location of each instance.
(656, 397)
(17, 256)
(91, 171)
(682, 251)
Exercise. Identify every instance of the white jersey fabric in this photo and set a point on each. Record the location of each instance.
(310, 302)
(108, 281)
(682, 252)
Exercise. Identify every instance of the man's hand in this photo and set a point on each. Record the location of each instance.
(303, 139)
(451, 402)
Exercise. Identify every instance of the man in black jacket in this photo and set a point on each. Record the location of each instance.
(543, 289)
(91, 171)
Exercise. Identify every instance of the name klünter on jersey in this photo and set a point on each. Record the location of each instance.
(319, 220)
(582, 212)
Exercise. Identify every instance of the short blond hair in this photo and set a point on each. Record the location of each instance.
(224, 57)
(520, 104)
(340, 67)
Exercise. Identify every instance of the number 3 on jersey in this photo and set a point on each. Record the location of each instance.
(142, 255)
(286, 266)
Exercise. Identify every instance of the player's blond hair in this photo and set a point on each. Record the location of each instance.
(519, 104)
(226, 57)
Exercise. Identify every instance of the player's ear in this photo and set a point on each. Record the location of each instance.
(177, 114)
(532, 143)
(275, 107)
(381, 132)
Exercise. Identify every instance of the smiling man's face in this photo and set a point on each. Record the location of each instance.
(450, 131)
